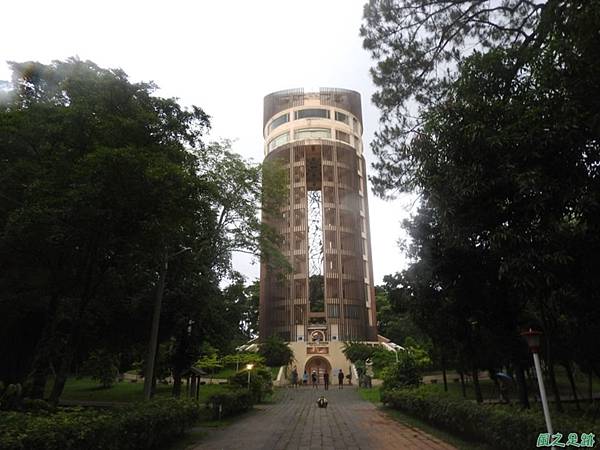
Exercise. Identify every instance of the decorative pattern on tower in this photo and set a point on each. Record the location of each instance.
(324, 224)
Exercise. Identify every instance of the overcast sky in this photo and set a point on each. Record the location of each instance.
(223, 56)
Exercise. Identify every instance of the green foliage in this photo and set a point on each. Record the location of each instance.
(502, 427)
(504, 155)
(102, 366)
(162, 364)
(148, 425)
(101, 179)
(394, 320)
(418, 47)
(406, 373)
(316, 293)
(418, 353)
(276, 352)
(209, 363)
(261, 383)
(230, 403)
(381, 359)
(242, 358)
(357, 351)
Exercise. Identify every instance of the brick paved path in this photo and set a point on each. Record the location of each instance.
(295, 422)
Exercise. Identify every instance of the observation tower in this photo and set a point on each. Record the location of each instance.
(329, 297)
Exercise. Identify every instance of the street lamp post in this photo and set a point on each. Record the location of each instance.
(533, 341)
(249, 368)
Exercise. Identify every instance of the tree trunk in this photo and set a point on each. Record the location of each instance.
(444, 373)
(476, 386)
(569, 369)
(39, 379)
(522, 386)
(69, 353)
(75, 335)
(590, 386)
(554, 385)
(462, 384)
(176, 382)
(496, 384)
(40, 363)
(63, 371)
(149, 380)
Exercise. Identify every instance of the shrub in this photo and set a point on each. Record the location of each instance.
(103, 367)
(382, 358)
(261, 382)
(357, 351)
(405, 373)
(229, 403)
(276, 352)
(140, 426)
(502, 427)
(37, 405)
(11, 397)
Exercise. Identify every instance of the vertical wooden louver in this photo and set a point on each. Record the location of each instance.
(337, 169)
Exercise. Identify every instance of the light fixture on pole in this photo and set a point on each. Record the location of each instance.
(249, 368)
(533, 341)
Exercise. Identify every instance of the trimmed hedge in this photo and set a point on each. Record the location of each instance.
(141, 426)
(500, 426)
(229, 403)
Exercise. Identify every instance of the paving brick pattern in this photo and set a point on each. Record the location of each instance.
(295, 422)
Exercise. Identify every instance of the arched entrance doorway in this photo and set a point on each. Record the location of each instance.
(319, 365)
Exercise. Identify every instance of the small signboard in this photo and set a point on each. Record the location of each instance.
(317, 350)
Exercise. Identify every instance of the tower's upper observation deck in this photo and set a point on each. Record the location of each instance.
(295, 115)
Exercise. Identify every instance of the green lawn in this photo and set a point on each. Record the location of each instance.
(223, 373)
(489, 391)
(85, 389)
(227, 372)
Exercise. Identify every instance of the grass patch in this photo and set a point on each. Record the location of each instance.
(224, 373)
(489, 390)
(374, 396)
(227, 372)
(86, 389)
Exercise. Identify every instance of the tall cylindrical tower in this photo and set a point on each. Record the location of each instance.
(324, 224)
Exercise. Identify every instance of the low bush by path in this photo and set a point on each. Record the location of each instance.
(499, 426)
(149, 425)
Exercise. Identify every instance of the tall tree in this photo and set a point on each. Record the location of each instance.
(504, 151)
(101, 179)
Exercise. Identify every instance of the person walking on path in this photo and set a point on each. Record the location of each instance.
(341, 379)
(305, 378)
(294, 377)
(315, 380)
(326, 380)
